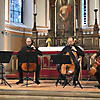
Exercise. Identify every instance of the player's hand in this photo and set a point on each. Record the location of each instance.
(73, 48)
(32, 46)
(93, 56)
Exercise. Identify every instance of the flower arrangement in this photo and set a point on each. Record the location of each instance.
(48, 41)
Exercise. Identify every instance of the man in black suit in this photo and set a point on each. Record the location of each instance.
(70, 48)
(97, 74)
(29, 46)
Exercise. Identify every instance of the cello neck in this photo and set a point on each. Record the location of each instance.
(96, 61)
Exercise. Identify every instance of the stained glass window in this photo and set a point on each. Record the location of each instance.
(17, 11)
(84, 12)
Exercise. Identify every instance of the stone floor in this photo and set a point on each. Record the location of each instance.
(48, 91)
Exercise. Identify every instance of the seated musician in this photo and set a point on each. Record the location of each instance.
(29, 46)
(70, 48)
(97, 74)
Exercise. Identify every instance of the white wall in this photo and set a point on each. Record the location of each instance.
(48, 14)
(28, 15)
(41, 16)
(6, 10)
(2, 23)
(40, 12)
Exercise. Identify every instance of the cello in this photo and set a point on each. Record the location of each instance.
(29, 66)
(68, 69)
(93, 69)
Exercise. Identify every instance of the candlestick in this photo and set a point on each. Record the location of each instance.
(95, 10)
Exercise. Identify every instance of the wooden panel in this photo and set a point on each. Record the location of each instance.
(88, 41)
(42, 42)
(96, 41)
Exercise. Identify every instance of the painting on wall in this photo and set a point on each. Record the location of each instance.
(65, 16)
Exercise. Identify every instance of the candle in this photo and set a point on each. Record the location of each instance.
(95, 3)
(76, 23)
(35, 8)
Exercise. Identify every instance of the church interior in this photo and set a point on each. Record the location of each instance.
(49, 23)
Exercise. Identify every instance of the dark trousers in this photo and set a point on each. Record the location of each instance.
(21, 72)
(76, 73)
(97, 74)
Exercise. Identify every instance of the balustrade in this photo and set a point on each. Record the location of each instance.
(46, 63)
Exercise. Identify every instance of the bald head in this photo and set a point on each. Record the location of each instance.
(28, 41)
(70, 41)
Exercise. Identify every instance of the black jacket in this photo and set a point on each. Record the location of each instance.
(32, 56)
(68, 49)
(25, 48)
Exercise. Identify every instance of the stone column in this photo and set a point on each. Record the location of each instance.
(2, 23)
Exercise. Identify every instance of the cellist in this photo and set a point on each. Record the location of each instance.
(97, 74)
(29, 46)
(70, 48)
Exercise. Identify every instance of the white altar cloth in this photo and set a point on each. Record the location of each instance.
(59, 48)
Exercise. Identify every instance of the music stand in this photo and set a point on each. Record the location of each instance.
(27, 57)
(61, 59)
(5, 57)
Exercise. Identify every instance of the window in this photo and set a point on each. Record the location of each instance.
(17, 11)
(84, 13)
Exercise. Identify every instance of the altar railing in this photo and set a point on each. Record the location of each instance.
(45, 61)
